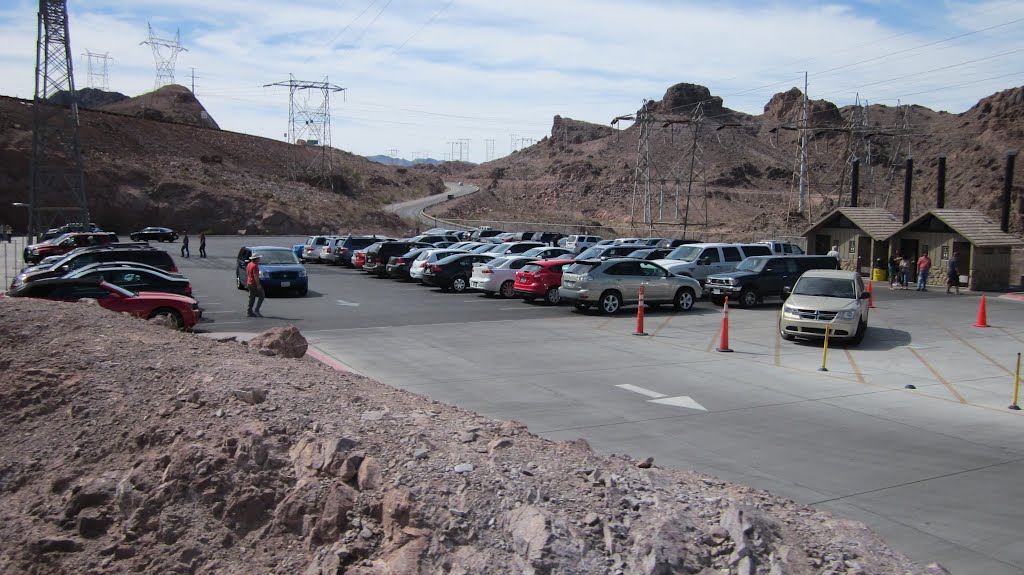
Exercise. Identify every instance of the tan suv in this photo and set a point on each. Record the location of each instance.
(820, 298)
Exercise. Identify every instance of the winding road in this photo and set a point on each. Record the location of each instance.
(413, 209)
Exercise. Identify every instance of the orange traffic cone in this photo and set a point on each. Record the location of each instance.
(982, 320)
(640, 314)
(723, 344)
(871, 295)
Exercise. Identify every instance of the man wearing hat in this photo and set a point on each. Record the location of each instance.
(252, 275)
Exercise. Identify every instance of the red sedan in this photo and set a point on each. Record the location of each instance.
(541, 278)
(182, 309)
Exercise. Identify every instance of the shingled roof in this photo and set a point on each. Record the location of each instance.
(877, 223)
(971, 224)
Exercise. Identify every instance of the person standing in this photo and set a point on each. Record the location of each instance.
(184, 244)
(894, 269)
(924, 265)
(202, 244)
(953, 273)
(904, 271)
(252, 282)
(834, 252)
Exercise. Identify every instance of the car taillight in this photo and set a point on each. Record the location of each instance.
(174, 269)
(400, 261)
(342, 250)
(327, 249)
(435, 269)
(188, 290)
(487, 271)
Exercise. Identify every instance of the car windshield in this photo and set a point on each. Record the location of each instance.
(588, 253)
(277, 257)
(685, 253)
(751, 265)
(826, 287)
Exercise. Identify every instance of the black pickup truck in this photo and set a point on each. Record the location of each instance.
(758, 277)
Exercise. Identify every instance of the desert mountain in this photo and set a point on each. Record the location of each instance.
(746, 165)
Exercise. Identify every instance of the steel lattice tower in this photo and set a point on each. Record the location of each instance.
(98, 70)
(57, 183)
(165, 54)
(309, 120)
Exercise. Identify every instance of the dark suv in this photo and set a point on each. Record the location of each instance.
(112, 253)
(758, 277)
(344, 247)
(378, 254)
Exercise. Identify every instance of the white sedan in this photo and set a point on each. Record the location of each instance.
(498, 275)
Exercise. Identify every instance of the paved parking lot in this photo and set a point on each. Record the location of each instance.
(937, 470)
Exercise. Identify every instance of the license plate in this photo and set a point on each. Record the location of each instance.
(716, 291)
(523, 280)
(286, 284)
(569, 284)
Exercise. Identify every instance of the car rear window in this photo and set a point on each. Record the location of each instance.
(582, 267)
(757, 251)
(530, 268)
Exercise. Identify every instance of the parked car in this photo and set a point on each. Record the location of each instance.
(701, 260)
(484, 232)
(498, 276)
(182, 309)
(359, 258)
(832, 299)
(311, 251)
(134, 277)
(398, 266)
(649, 253)
(542, 253)
(541, 279)
(378, 254)
(783, 247)
(579, 242)
(675, 243)
(279, 269)
(154, 234)
(69, 228)
(433, 238)
(344, 246)
(297, 249)
(509, 248)
(81, 257)
(427, 257)
(65, 243)
(759, 277)
(452, 273)
(608, 251)
(483, 248)
(611, 284)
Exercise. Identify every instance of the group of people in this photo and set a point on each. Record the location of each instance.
(900, 266)
(184, 245)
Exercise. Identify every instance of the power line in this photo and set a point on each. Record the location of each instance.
(420, 29)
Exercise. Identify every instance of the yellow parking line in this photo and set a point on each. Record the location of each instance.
(714, 340)
(978, 351)
(663, 324)
(939, 377)
(1007, 332)
(856, 368)
(778, 348)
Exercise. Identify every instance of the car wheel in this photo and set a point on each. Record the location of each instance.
(552, 296)
(459, 284)
(303, 291)
(748, 298)
(581, 306)
(172, 313)
(611, 302)
(508, 289)
(858, 337)
(684, 299)
(785, 336)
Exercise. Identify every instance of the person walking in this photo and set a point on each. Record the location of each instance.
(924, 265)
(252, 282)
(202, 244)
(184, 244)
(953, 273)
(894, 269)
(904, 271)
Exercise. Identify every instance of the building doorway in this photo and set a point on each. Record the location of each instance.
(822, 244)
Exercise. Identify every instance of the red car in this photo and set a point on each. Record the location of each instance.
(184, 310)
(358, 259)
(64, 244)
(541, 278)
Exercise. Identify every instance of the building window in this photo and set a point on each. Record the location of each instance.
(945, 252)
(853, 246)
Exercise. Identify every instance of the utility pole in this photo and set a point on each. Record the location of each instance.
(165, 54)
(309, 122)
(97, 70)
(57, 181)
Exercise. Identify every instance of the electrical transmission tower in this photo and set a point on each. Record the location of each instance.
(309, 124)
(165, 54)
(58, 187)
(98, 70)
(488, 150)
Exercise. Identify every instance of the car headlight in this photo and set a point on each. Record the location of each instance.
(302, 273)
(847, 315)
(789, 311)
(730, 281)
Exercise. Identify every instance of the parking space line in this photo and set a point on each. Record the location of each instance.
(711, 344)
(856, 368)
(1007, 332)
(663, 324)
(979, 352)
(939, 377)
(778, 348)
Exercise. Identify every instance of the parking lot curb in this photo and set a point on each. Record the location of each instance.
(329, 361)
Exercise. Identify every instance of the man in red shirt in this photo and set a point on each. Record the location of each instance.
(924, 265)
(256, 295)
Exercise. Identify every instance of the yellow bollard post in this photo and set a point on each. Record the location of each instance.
(824, 349)
(1016, 386)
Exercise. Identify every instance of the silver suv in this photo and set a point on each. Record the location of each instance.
(610, 284)
(577, 243)
(826, 298)
(701, 260)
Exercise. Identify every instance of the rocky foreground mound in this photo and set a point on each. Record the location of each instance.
(129, 448)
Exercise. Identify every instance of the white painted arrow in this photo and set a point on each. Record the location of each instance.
(680, 401)
(347, 303)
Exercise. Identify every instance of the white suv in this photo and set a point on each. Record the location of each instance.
(701, 260)
(820, 298)
(578, 243)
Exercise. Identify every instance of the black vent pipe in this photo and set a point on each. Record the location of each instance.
(940, 199)
(907, 182)
(854, 182)
(1011, 156)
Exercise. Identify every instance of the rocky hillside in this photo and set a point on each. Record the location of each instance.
(584, 173)
(154, 451)
(157, 166)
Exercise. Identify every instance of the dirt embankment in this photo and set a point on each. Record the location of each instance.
(129, 448)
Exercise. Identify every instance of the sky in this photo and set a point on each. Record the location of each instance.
(477, 79)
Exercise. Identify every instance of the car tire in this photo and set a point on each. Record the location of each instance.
(172, 313)
(303, 291)
(610, 302)
(748, 298)
(858, 337)
(508, 289)
(684, 299)
(552, 297)
(459, 284)
(581, 307)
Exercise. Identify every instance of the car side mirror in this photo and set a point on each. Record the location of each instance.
(787, 291)
(865, 295)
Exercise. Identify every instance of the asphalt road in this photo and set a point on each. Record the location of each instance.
(936, 470)
(413, 209)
